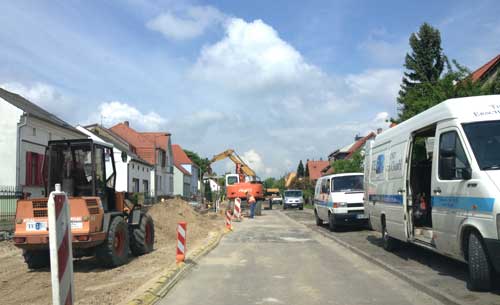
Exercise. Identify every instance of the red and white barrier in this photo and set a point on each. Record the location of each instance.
(237, 209)
(181, 241)
(61, 253)
(229, 227)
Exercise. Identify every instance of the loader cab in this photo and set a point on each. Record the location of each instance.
(83, 168)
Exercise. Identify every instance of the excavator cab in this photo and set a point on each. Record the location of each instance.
(83, 168)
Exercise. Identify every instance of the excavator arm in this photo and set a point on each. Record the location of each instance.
(233, 156)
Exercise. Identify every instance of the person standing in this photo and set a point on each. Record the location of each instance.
(251, 203)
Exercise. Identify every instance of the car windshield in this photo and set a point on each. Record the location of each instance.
(347, 183)
(484, 138)
(293, 193)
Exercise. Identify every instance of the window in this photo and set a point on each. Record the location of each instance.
(163, 158)
(325, 186)
(452, 159)
(34, 169)
(145, 186)
(484, 138)
(232, 180)
(135, 185)
(100, 171)
(347, 183)
(34, 132)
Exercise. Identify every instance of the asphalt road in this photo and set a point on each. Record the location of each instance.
(276, 260)
(444, 275)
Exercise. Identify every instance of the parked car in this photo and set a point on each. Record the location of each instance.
(338, 200)
(293, 199)
(434, 181)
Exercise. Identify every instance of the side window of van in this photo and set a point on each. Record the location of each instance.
(452, 159)
(325, 186)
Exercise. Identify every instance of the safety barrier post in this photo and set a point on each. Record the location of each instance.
(237, 209)
(229, 227)
(61, 253)
(181, 241)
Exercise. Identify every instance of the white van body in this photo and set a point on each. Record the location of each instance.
(434, 180)
(338, 200)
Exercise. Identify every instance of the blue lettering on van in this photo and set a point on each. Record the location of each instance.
(380, 164)
(464, 203)
(324, 203)
(391, 199)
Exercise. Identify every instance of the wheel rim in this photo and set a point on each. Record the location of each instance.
(149, 236)
(119, 242)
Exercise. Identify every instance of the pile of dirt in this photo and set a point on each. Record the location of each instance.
(96, 285)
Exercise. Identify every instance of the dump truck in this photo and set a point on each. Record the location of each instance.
(104, 223)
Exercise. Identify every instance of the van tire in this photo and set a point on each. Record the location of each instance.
(390, 244)
(36, 259)
(331, 223)
(480, 270)
(319, 222)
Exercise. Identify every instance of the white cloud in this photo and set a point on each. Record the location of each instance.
(254, 160)
(45, 96)
(114, 112)
(189, 23)
(380, 86)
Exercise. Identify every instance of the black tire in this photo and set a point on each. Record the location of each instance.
(142, 237)
(331, 223)
(319, 222)
(114, 250)
(301, 207)
(284, 207)
(480, 269)
(36, 259)
(390, 244)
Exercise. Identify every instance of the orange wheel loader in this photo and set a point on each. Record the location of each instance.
(104, 223)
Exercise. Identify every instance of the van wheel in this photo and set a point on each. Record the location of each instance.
(143, 236)
(319, 222)
(36, 259)
(390, 244)
(331, 222)
(114, 250)
(480, 270)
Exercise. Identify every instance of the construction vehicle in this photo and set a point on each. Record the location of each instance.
(290, 178)
(104, 223)
(273, 196)
(244, 180)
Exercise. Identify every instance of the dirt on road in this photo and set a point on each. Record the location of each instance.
(97, 285)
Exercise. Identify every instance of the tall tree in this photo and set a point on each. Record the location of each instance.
(300, 170)
(424, 64)
(306, 172)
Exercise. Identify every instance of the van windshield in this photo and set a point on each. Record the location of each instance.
(347, 183)
(293, 193)
(484, 138)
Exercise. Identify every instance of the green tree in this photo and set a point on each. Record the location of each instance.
(202, 163)
(300, 170)
(351, 165)
(269, 182)
(208, 191)
(306, 172)
(424, 64)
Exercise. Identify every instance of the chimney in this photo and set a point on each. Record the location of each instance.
(126, 123)
(357, 137)
(379, 130)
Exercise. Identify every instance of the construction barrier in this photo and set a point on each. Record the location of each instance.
(181, 242)
(237, 209)
(229, 227)
(61, 254)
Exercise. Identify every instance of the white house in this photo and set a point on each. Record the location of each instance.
(182, 159)
(25, 130)
(133, 174)
(182, 181)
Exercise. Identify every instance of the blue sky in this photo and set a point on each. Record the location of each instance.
(278, 81)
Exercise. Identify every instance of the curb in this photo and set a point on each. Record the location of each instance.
(437, 294)
(175, 273)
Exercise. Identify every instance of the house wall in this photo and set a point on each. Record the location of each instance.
(170, 168)
(178, 182)
(163, 185)
(140, 171)
(8, 143)
(194, 170)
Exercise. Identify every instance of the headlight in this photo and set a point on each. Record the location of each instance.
(339, 204)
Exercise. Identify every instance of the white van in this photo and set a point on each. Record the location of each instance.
(338, 200)
(434, 180)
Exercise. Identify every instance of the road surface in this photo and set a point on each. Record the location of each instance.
(275, 260)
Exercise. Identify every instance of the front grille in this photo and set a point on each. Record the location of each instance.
(91, 202)
(355, 205)
(94, 210)
(39, 204)
(40, 213)
(355, 212)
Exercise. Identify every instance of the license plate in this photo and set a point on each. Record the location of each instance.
(36, 226)
(361, 216)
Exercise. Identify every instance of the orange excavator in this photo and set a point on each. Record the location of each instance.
(245, 178)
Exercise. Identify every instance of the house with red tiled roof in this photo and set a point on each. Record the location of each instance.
(347, 151)
(184, 166)
(488, 72)
(314, 167)
(154, 148)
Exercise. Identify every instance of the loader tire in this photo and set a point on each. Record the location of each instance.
(480, 270)
(114, 250)
(37, 259)
(142, 237)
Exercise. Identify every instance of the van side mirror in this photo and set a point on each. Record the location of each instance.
(467, 173)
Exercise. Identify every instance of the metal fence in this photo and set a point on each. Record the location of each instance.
(8, 199)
